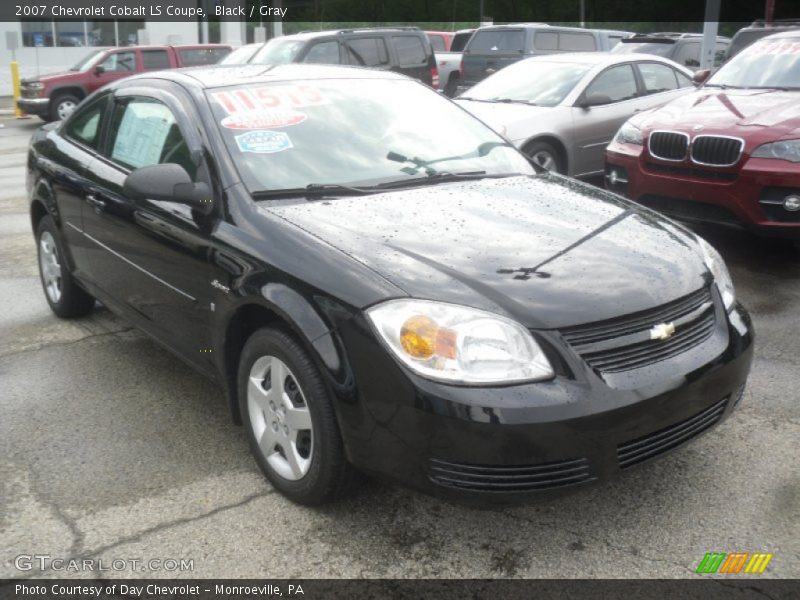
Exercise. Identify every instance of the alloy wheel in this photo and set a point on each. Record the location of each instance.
(50, 267)
(545, 160)
(65, 109)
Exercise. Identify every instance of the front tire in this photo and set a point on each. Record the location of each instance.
(66, 299)
(290, 422)
(61, 106)
(545, 156)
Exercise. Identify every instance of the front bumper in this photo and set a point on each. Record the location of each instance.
(34, 106)
(507, 444)
(747, 196)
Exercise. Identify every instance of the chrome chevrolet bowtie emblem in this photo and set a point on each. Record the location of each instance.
(662, 331)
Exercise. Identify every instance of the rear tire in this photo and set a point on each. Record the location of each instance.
(546, 156)
(66, 299)
(290, 422)
(61, 106)
(451, 86)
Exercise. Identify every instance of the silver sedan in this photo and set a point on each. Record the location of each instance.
(563, 110)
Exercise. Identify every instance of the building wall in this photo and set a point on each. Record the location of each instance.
(52, 60)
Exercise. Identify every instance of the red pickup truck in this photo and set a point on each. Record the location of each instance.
(53, 97)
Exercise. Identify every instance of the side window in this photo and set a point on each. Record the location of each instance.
(324, 53)
(194, 57)
(613, 85)
(683, 80)
(120, 62)
(688, 55)
(437, 42)
(657, 78)
(155, 59)
(368, 52)
(146, 133)
(545, 40)
(576, 42)
(720, 52)
(84, 126)
(410, 51)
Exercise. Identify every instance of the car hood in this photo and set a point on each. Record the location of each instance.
(506, 117)
(733, 112)
(47, 77)
(545, 250)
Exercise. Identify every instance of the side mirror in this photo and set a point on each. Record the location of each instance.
(99, 70)
(701, 75)
(593, 100)
(168, 182)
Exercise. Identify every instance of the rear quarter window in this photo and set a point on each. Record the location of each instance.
(498, 41)
(409, 49)
(460, 41)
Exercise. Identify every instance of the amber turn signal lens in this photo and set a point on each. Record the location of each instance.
(418, 336)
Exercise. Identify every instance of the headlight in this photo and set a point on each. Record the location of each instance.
(629, 134)
(785, 150)
(459, 344)
(34, 85)
(722, 277)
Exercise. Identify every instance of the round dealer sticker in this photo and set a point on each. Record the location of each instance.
(264, 119)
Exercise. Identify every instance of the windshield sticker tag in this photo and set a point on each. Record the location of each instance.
(268, 97)
(263, 142)
(263, 119)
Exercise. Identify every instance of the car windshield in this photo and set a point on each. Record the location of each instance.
(365, 132)
(657, 48)
(241, 56)
(534, 81)
(277, 52)
(765, 64)
(87, 61)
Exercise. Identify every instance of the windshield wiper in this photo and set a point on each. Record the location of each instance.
(443, 177)
(314, 190)
(515, 101)
(425, 164)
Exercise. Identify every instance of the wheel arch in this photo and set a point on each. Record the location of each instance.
(76, 90)
(277, 306)
(554, 141)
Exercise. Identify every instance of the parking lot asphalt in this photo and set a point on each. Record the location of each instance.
(111, 448)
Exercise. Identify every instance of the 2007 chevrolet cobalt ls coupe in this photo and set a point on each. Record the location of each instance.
(382, 284)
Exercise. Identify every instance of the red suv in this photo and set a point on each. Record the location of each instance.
(729, 152)
(53, 97)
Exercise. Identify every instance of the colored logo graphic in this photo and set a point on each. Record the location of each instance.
(734, 562)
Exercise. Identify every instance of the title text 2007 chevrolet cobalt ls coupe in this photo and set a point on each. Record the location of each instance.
(382, 283)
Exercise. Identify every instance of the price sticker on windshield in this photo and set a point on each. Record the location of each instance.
(269, 97)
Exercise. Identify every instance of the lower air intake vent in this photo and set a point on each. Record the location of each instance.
(521, 478)
(650, 446)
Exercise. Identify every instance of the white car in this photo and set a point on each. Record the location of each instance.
(563, 110)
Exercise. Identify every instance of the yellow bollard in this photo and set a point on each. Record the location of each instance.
(18, 112)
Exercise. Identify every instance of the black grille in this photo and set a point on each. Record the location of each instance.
(717, 151)
(521, 478)
(651, 445)
(668, 145)
(693, 312)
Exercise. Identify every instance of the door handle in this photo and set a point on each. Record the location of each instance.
(95, 201)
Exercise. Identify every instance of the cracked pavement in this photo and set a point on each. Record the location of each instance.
(111, 448)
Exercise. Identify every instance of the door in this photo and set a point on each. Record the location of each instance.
(74, 150)
(151, 257)
(412, 59)
(612, 96)
(118, 64)
(367, 52)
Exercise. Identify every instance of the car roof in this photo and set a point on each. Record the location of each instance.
(595, 58)
(207, 77)
(310, 35)
(783, 35)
